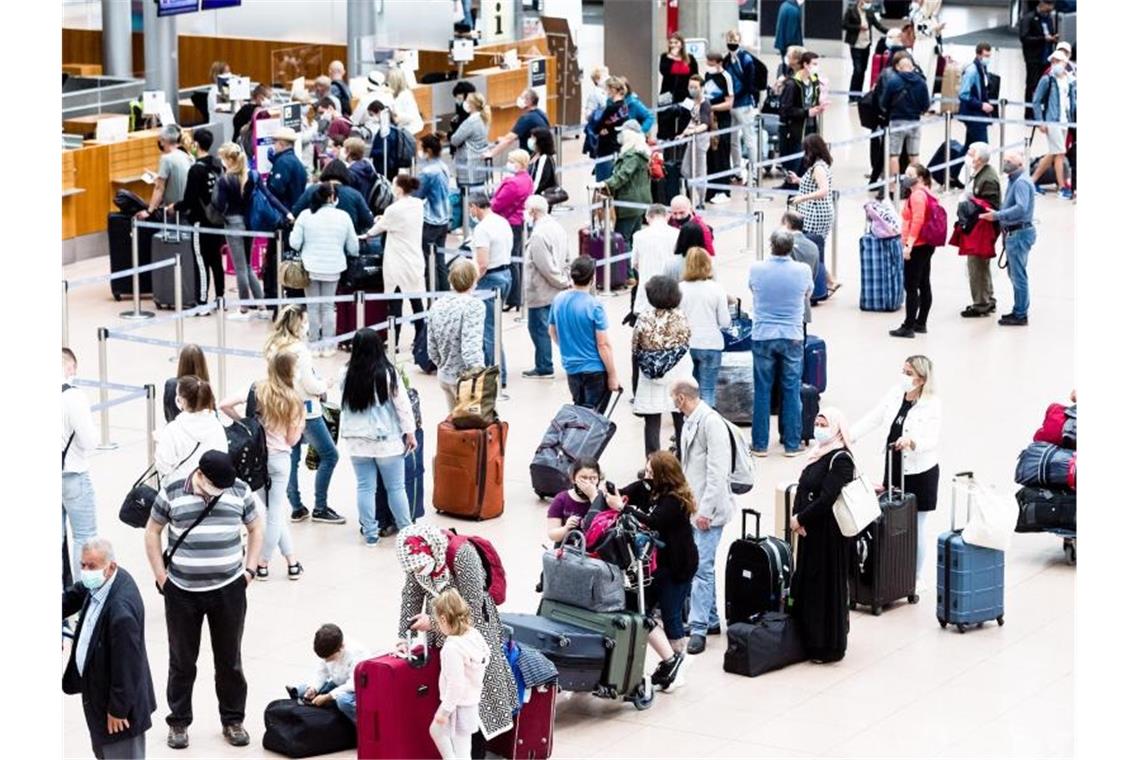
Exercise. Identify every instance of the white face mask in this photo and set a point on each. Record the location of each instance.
(521, 102)
(906, 383)
(823, 434)
(92, 580)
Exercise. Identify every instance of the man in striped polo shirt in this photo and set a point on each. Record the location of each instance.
(203, 574)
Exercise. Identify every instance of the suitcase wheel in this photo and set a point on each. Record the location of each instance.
(639, 698)
(876, 610)
(117, 296)
(1001, 620)
(912, 599)
(961, 628)
(941, 622)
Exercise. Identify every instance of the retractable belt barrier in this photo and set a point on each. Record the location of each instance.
(130, 393)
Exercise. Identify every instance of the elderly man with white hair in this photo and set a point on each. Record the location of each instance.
(547, 262)
(108, 663)
(1016, 219)
(978, 245)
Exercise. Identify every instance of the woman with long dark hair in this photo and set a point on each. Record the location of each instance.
(378, 430)
(814, 201)
(542, 168)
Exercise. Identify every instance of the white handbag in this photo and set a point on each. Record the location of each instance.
(857, 505)
(990, 518)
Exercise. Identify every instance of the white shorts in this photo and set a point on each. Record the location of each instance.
(1055, 138)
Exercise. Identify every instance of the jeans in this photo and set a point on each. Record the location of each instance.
(316, 434)
(671, 598)
(224, 611)
(859, 57)
(277, 534)
(1017, 245)
(436, 234)
(916, 273)
(702, 603)
(500, 281)
(538, 323)
(322, 316)
(789, 356)
(589, 389)
(392, 473)
(79, 508)
(246, 282)
(745, 116)
(345, 701)
(706, 366)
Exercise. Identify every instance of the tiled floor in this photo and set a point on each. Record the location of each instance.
(906, 689)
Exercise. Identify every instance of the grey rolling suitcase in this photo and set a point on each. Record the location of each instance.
(167, 244)
(574, 433)
(734, 387)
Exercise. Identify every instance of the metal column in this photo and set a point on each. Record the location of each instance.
(117, 59)
(360, 23)
(151, 420)
(160, 52)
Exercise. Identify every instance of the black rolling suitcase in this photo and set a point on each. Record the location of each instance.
(119, 246)
(809, 403)
(757, 574)
(167, 244)
(576, 432)
(578, 653)
(885, 559)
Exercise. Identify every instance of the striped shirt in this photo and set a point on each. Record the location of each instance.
(212, 555)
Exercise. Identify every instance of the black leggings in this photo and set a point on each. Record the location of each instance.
(397, 310)
(916, 273)
(210, 246)
(653, 430)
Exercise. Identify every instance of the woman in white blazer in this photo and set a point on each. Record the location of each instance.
(913, 415)
(403, 266)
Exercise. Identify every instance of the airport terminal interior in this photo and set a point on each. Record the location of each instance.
(906, 685)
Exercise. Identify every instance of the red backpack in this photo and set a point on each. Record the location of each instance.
(495, 577)
(933, 230)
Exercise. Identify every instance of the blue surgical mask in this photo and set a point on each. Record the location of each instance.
(271, 153)
(1058, 69)
(92, 580)
(985, 63)
(823, 434)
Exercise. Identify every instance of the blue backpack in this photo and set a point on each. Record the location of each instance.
(263, 215)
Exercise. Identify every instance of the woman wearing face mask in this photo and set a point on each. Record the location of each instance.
(925, 15)
(700, 123)
(718, 90)
(469, 142)
(630, 179)
(196, 430)
(325, 236)
(614, 115)
(858, 19)
(435, 190)
(509, 202)
(661, 352)
(819, 584)
(814, 201)
(403, 263)
(542, 169)
(460, 92)
(676, 66)
(569, 508)
(913, 413)
(917, 253)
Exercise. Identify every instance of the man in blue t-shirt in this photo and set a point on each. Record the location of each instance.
(531, 118)
(578, 327)
(779, 286)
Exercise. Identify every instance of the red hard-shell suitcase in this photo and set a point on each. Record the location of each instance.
(396, 699)
(532, 735)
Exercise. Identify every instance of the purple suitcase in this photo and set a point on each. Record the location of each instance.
(591, 242)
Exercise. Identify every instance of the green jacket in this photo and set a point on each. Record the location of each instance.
(630, 182)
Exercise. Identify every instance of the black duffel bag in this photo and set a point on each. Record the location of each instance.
(769, 643)
(1045, 509)
(296, 729)
(135, 510)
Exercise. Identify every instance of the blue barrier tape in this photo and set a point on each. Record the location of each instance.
(116, 275)
(116, 401)
(80, 382)
(205, 230)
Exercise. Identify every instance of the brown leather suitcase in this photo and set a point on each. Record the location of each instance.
(467, 471)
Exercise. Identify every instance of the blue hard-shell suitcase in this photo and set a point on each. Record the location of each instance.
(971, 579)
(578, 653)
(880, 273)
(815, 363)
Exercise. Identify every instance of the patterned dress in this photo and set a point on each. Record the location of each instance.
(818, 214)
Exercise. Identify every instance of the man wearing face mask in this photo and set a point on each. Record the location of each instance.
(745, 72)
(1018, 232)
(108, 664)
(721, 97)
(977, 244)
(1038, 33)
(973, 94)
(173, 166)
(800, 108)
(681, 215)
(531, 117)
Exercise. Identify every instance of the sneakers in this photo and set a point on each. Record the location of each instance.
(534, 373)
(903, 332)
(920, 329)
(236, 734)
(758, 452)
(262, 573)
(371, 542)
(696, 644)
(327, 515)
(978, 311)
(263, 314)
(1067, 193)
(300, 514)
(793, 452)
(1009, 320)
(717, 200)
(295, 571)
(666, 674)
(240, 316)
(177, 738)
(1040, 190)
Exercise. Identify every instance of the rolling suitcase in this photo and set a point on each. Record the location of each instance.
(734, 394)
(738, 335)
(815, 363)
(624, 674)
(119, 246)
(782, 512)
(396, 699)
(578, 653)
(467, 472)
(881, 274)
(1045, 509)
(883, 567)
(257, 255)
(957, 151)
(971, 579)
(809, 406)
(757, 574)
(576, 432)
(413, 485)
(532, 735)
(166, 245)
(296, 729)
(591, 242)
(375, 312)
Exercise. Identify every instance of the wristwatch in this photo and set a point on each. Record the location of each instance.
(252, 574)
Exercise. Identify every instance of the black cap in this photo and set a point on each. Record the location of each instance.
(218, 468)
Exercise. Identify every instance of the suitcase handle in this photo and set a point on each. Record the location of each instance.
(788, 512)
(744, 515)
(969, 478)
(411, 640)
(890, 472)
(611, 404)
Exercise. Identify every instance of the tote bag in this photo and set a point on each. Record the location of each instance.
(857, 505)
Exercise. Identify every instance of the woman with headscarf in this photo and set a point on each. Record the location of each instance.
(819, 586)
(422, 552)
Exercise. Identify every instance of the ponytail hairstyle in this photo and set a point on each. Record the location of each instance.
(286, 330)
(233, 159)
(324, 195)
(278, 404)
(479, 105)
(195, 393)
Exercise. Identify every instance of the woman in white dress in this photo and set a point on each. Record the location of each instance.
(403, 266)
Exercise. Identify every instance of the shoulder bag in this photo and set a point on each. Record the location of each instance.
(857, 505)
(135, 509)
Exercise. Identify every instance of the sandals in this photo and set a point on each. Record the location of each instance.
(295, 571)
(832, 289)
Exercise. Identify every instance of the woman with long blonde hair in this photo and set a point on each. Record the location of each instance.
(288, 336)
(405, 111)
(278, 407)
(469, 141)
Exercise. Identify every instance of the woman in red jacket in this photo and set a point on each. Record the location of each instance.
(917, 253)
(509, 202)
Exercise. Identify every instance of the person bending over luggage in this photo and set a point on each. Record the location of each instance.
(332, 682)
(422, 552)
(914, 414)
(819, 585)
(463, 665)
(663, 502)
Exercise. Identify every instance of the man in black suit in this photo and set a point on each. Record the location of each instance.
(108, 663)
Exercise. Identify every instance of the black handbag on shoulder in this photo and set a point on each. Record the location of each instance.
(135, 510)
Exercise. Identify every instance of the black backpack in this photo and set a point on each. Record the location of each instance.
(248, 451)
(380, 196)
(209, 210)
